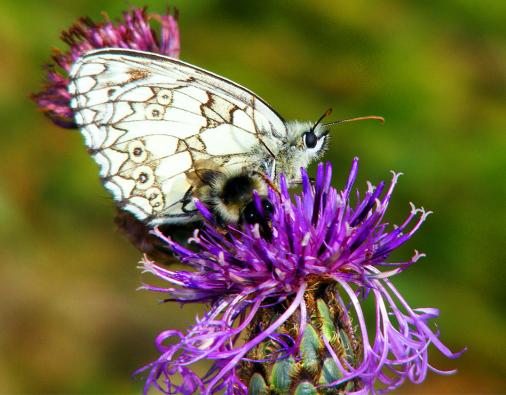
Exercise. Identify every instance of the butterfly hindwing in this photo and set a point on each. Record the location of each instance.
(148, 120)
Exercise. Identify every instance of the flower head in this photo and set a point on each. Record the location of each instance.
(133, 32)
(324, 257)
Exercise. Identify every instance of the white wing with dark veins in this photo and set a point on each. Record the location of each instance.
(149, 121)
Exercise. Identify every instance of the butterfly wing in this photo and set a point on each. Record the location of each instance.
(150, 121)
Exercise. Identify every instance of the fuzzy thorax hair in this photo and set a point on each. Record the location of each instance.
(226, 193)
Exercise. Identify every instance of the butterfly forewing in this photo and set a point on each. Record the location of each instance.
(150, 121)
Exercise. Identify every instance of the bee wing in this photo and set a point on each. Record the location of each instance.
(149, 120)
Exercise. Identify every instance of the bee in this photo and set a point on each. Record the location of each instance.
(164, 133)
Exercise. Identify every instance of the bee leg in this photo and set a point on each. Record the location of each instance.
(220, 225)
(222, 230)
(269, 182)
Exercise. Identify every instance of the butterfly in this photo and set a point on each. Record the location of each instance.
(164, 133)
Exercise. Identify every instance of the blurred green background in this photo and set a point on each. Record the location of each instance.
(71, 320)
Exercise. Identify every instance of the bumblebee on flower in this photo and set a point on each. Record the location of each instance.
(285, 315)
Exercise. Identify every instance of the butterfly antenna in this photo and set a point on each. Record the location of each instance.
(325, 115)
(373, 117)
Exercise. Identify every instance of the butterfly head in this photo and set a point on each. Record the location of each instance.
(307, 142)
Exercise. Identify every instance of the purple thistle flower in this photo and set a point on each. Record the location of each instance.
(263, 296)
(133, 32)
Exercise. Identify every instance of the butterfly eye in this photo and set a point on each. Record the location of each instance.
(310, 139)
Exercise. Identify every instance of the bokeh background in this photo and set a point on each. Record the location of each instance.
(71, 320)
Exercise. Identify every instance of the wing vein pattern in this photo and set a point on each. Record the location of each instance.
(150, 121)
